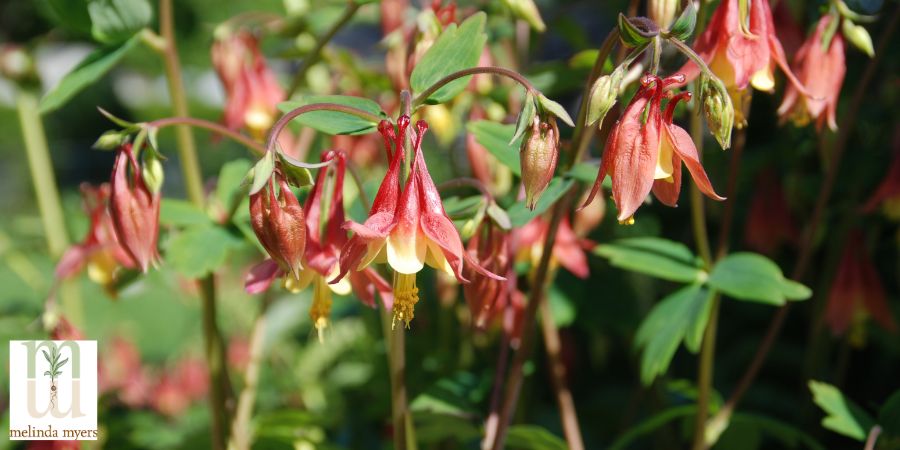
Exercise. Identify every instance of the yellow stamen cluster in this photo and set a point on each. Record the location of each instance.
(321, 307)
(406, 295)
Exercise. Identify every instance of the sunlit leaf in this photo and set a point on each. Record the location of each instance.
(843, 416)
(753, 277)
(496, 138)
(457, 48)
(199, 250)
(657, 257)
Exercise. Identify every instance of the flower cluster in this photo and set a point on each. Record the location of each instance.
(645, 150)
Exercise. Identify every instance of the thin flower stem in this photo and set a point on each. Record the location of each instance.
(396, 342)
(873, 437)
(357, 180)
(47, 193)
(241, 435)
(423, 97)
(553, 347)
(246, 141)
(316, 53)
(846, 127)
(284, 120)
(579, 146)
(737, 150)
(220, 386)
(490, 425)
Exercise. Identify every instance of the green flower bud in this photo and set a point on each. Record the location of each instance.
(718, 110)
(603, 96)
(538, 155)
(527, 11)
(858, 36)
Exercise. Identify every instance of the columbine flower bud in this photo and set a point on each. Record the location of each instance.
(134, 209)
(539, 152)
(719, 111)
(662, 12)
(279, 224)
(603, 95)
(527, 11)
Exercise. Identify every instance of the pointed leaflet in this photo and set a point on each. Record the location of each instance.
(457, 48)
(844, 416)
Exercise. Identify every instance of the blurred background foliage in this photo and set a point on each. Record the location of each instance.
(336, 394)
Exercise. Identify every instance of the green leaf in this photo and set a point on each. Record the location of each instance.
(584, 172)
(458, 208)
(230, 188)
(449, 395)
(753, 277)
(180, 213)
(889, 415)
(262, 171)
(683, 27)
(526, 117)
(71, 14)
(495, 137)
(335, 122)
(519, 214)
(457, 48)
(115, 21)
(666, 326)
(556, 109)
(62, 363)
(47, 373)
(47, 356)
(501, 218)
(532, 437)
(200, 250)
(844, 416)
(653, 256)
(86, 73)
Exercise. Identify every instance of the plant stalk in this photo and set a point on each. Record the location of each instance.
(246, 141)
(220, 387)
(578, 147)
(241, 434)
(564, 400)
(396, 342)
(47, 193)
(316, 53)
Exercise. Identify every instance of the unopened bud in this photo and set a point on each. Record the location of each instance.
(280, 224)
(858, 36)
(134, 209)
(538, 155)
(662, 12)
(527, 11)
(719, 111)
(16, 64)
(603, 96)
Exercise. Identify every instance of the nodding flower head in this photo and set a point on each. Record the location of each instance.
(279, 224)
(741, 47)
(408, 228)
(538, 155)
(134, 209)
(252, 91)
(645, 150)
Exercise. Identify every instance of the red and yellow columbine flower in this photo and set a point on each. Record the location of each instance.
(487, 296)
(100, 250)
(134, 209)
(322, 253)
(741, 47)
(252, 91)
(822, 72)
(645, 150)
(406, 229)
(857, 293)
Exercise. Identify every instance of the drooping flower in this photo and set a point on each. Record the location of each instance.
(822, 72)
(568, 248)
(322, 253)
(676, 143)
(741, 47)
(252, 91)
(769, 223)
(645, 149)
(538, 156)
(887, 195)
(279, 223)
(486, 296)
(857, 293)
(134, 209)
(406, 229)
(100, 250)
